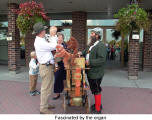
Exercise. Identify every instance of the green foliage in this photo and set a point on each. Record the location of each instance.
(132, 18)
(30, 13)
(23, 24)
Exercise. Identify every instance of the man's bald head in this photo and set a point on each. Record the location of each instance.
(53, 30)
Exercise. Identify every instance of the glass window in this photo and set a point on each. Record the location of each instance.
(110, 22)
(3, 34)
(3, 30)
(3, 24)
(141, 35)
(60, 22)
(109, 36)
(67, 34)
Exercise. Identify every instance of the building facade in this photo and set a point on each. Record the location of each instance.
(79, 12)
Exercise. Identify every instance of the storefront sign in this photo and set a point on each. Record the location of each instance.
(135, 36)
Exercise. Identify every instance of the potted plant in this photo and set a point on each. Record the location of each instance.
(132, 18)
(30, 13)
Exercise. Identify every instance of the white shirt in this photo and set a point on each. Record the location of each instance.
(33, 67)
(87, 56)
(43, 50)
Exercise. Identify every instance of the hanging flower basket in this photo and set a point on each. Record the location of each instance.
(132, 18)
(30, 13)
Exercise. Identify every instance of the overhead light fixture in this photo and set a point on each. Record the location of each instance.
(109, 11)
(109, 8)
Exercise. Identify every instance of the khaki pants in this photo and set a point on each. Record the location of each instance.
(32, 82)
(46, 72)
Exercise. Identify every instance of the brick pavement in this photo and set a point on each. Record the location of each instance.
(14, 99)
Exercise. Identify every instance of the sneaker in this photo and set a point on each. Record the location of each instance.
(37, 92)
(32, 93)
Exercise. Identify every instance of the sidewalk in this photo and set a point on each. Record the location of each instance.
(113, 77)
(120, 95)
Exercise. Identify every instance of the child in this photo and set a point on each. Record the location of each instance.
(33, 74)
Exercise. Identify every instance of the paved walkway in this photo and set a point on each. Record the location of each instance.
(120, 95)
(113, 77)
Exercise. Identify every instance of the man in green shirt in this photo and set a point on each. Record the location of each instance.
(95, 55)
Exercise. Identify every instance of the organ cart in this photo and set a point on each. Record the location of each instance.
(75, 86)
